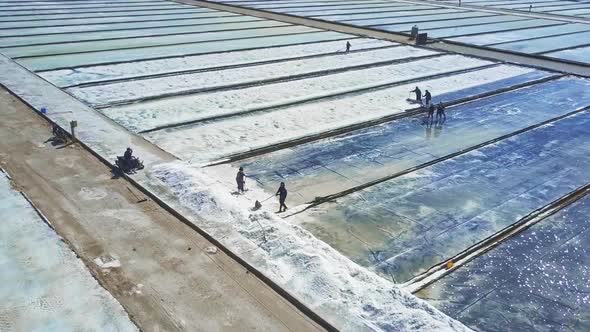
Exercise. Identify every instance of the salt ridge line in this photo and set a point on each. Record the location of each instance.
(198, 12)
(258, 24)
(255, 82)
(279, 106)
(438, 271)
(268, 42)
(155, 25)
(220, 67)
(365, 124)
(90, 47)
(332, 197)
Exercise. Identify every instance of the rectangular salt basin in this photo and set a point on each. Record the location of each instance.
(149, 32)
(219, 138)
(325, 167)
(150, 53)
(547, 44)
(404, 226)
(359, 9)
(66, 20)
(376, 13)
(462, 23)
(44, 286)
(49, 11)
(169, 22)
(538, 278)
(119, 44)
(484, 28)
(39, 5)
(173, 111)
(581, 54)
(316, 5)
(501, 37)
(391, 11)
(32, 20)
(379, 14)
(417, 19)
(105, 94)
(93, 74)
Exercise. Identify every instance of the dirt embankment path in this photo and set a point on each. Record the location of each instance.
(167, 281)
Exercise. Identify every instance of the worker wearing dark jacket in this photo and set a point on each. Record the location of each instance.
(440, 113)
(282, 193)
(241, 179)
(427, 96)
(418, 94)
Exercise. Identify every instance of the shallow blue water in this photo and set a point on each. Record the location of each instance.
(538, 280)
(407, 224)
(434, 213)
(401, 144)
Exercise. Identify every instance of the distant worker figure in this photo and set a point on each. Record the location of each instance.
(241, 179)
(428, 97)
(414, 32)
(282, 193)
(530, 8)
(440, 113)
(348, 45)
(418, 94)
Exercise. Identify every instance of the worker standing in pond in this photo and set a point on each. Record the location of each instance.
(440, 113)
(282, 193)
(428, 97)
(241, 180)
(348, 45)
(430, 117)
(418, 94)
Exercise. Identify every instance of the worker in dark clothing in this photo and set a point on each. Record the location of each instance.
(348, 45)
(128, 154)
(427, 96)
(282, 193)
(418, 94)
(430, 117)
(241, 179)
(440, 113)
